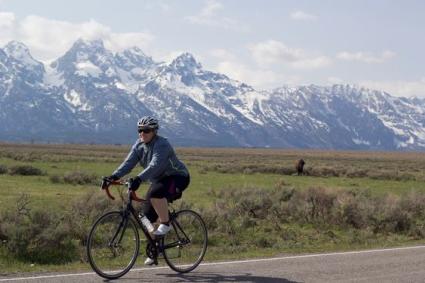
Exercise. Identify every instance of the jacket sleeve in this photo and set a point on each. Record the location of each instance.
(129, 163)
(158, 163)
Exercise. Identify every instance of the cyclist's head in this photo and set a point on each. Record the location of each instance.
(148, 122)
(147, 127)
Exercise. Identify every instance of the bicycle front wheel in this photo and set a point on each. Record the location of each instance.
(185, 245)
(113, 245)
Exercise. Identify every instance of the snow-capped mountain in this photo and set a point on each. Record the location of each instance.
(91, 94)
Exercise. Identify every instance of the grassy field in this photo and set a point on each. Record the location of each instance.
(241, 193)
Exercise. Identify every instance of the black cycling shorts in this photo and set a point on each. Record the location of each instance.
(170, 187)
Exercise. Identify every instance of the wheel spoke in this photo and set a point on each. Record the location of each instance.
(185, 245)
(113, 245)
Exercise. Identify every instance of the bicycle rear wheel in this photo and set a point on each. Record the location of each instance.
(185, 245)
(113, 245)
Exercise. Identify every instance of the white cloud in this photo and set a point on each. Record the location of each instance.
(366, 57)
(163, 5)
(312, 63)
(271, 51)
(48, 39)
(7, 20)
(167, 57)
(211, 8)
(398, 88)
(260, 78)
(7, 26)
(208, 16)
(302, 16)
(274, 52)
(120, 41)
(335, 80)
(255, 77)
(222, 54)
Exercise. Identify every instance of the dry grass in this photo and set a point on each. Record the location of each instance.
(246, 217)
(353, 164)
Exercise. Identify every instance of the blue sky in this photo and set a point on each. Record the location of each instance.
(378, 44)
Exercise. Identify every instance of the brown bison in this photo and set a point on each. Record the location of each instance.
(299, 166)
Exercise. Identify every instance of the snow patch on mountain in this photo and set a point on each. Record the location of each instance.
(95, 92)
(360, 142)
(21, 53)
(246, 102)
(52, 77)
(87, 68)
(122, 86)
(73, 98)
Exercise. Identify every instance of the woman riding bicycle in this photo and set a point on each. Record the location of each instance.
(168, 176)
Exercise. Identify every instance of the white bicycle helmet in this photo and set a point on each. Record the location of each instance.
(148, 122)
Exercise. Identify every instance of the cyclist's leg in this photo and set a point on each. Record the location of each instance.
(157, 196)
(170, 187)
(161, 192)
(149, 211)
(155, 190)
(166, 189)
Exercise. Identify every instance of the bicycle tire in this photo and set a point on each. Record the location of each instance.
(180, 256)
(106, 258)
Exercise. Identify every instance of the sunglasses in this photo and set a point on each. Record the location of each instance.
(146, 131)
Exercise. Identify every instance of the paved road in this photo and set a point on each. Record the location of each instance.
(388, 265)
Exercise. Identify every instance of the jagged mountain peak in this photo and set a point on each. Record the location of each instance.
(358, 94)
(20, 52)
(86, 58)
(183, 68)
(16, 46)
(96, 44)
(83, 50)
(347, 90)
(18, 64)
(353, 88)
(186, 61)
(100, 93)
(134, 51)
(134, 57)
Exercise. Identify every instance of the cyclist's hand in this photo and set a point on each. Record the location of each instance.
(113, 177)
(106, 181)
(134, 183)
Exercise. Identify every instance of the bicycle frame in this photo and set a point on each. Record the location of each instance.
(129, 210)
(120, 242)
(176, 226)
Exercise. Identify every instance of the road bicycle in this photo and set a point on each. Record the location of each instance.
(113, 242)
